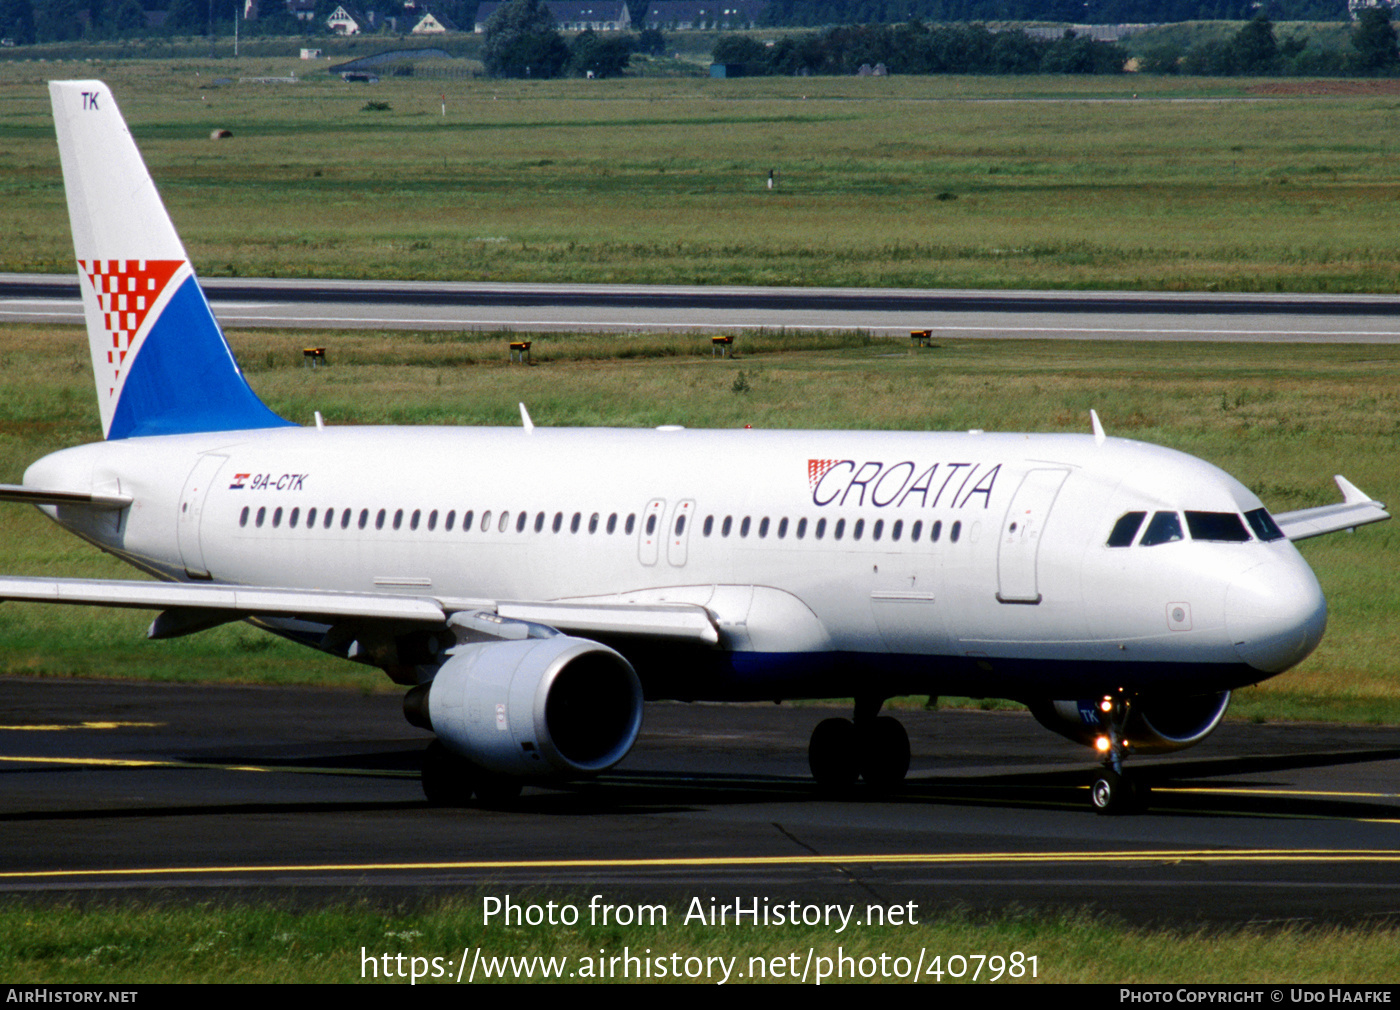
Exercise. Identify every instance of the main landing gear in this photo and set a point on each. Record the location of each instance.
(874, 747)
(1114, 791)
(451, 781)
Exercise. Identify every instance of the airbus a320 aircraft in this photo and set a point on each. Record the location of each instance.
(530, 586)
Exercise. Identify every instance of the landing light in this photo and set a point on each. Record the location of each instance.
(1101, 744)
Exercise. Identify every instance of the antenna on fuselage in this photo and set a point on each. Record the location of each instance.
(1094, 422)
(525, 420)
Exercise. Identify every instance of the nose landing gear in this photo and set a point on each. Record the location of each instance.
(1114, 791)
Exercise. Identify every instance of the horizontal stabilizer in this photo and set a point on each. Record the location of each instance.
(1356, 509)
(82, 499)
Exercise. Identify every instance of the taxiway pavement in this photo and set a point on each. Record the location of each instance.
(119, 788)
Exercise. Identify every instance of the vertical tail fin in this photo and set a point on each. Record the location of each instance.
(161, 363)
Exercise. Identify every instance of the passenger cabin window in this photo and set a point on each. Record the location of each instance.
(1164, 528)
(1125, 529)
(1220, 527)
(1263, 525)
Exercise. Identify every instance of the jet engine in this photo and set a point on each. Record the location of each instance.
(554, 707)
(1156, 725)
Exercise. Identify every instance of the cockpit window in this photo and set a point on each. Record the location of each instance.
(1263, 525)
(1222, 527)
(1125, 529)
(1164, 528)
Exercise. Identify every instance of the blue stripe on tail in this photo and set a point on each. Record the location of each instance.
(184, 378)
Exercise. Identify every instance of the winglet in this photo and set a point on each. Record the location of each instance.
(160, 361)
(1351, 494)
(1357, 508)
(1094, 422)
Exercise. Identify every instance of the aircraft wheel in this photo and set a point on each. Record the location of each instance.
(1114, 793)
(884, 753)
(447, 779)
(831, 754)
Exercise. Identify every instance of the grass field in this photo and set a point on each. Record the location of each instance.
(267, 943)
(1127, 182)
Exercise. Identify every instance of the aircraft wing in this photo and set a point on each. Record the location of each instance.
(43, 496)
(1356, 509)
(188, 607)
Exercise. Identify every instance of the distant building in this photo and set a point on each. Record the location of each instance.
(344, 21)
(702, 15)
(432, 24)
(571, 15)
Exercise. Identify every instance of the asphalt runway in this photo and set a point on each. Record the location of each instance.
(110, 790)
(241, 302)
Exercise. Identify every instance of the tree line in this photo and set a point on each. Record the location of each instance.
(914, 48)
(819, 13)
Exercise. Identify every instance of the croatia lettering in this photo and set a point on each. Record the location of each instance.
(901, 484)
(268, 481)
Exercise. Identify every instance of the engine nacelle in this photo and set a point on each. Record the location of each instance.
(555, 707)
(1155, 725)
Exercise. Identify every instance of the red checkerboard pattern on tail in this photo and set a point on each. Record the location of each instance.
(126, 291)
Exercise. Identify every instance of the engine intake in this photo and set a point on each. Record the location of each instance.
(556, 707)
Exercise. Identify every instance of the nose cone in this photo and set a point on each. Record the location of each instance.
(1275, 613)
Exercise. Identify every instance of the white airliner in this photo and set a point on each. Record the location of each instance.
(532, 585)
